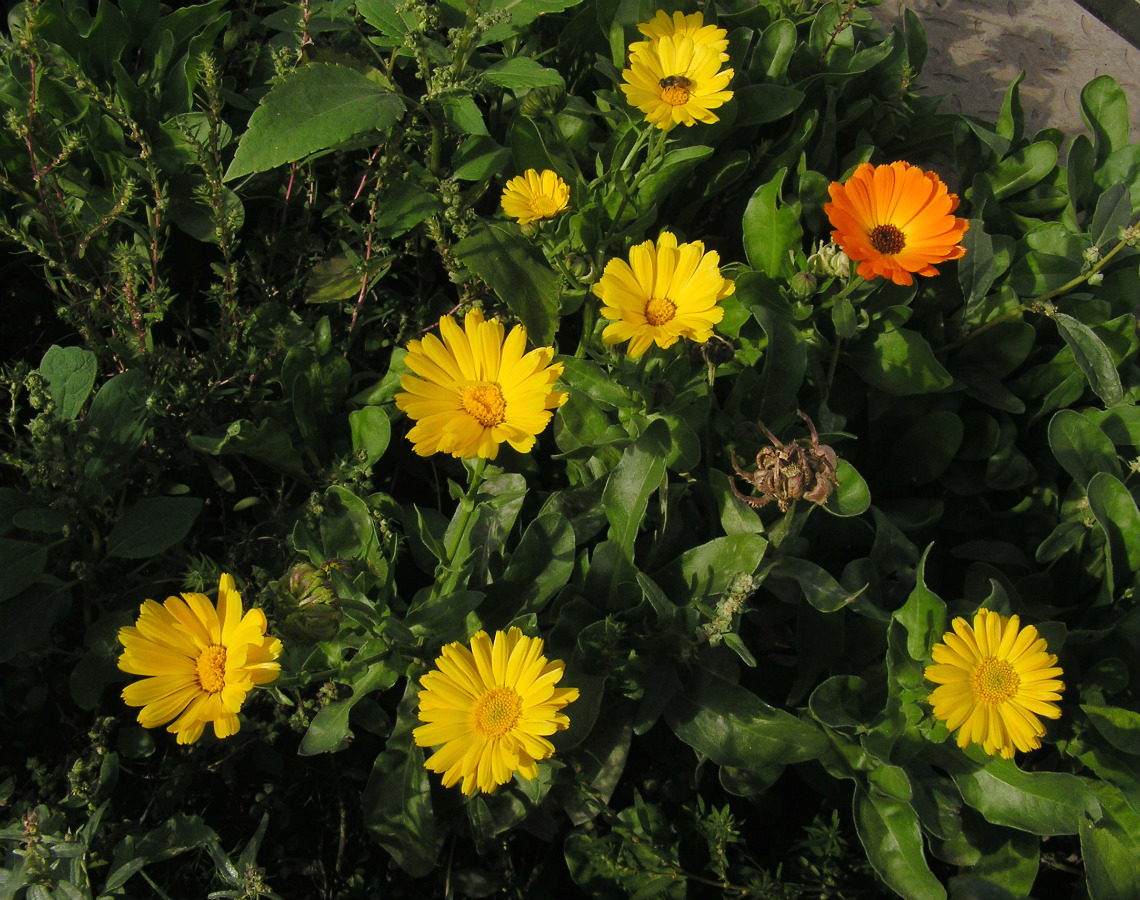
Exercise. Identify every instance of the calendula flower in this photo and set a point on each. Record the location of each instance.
(535, 195)
(675, 80)
(667, 291)
(200, 661)
(692, 25)
(894, 220)
(995, 679)
(472, 390)
(489, 708)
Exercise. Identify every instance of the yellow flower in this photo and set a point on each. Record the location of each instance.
(535, 195)
(667, 291)
(488, 709)
(200, 661)
(692, 25)
(474, 391)
(995, 679)
(894, 220)
(675, 80)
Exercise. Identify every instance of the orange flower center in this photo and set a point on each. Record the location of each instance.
(497, 712)
(212, 668)
(887, 239)
(659, 310)
(544, 207)
(485, 402)
(994, 681)
(675, 90)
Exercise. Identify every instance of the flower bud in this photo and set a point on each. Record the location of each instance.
(307, 603)
(543, 101)
(803, 285)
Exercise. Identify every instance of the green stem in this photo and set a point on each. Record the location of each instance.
(447, 580)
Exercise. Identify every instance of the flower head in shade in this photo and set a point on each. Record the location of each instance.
(895, 220)
(994, 681)
(489, 709)
(691, 25)
(472, 389)
(199, 660)
(675, 80)
(667, 291)
(535, 195)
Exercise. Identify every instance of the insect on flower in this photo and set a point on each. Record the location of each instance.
(801, 469)
(679, 81)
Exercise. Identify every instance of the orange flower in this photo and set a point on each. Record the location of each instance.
(894, 220)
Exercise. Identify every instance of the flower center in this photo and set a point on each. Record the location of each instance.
(485, 401)
(658, 311)
(212, 668)
(994, 681)
(544, 207)
(496, 712)
(887, 239)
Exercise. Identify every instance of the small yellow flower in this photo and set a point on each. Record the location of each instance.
(472, 390)
(667, 291)
(535, 195)
(675, 80)
(895, 220)
(692, 26)
(201, 661)
(995, 679)
(489, 709)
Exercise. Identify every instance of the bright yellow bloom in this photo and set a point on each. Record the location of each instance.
(667, 291)
(535, 195)
(894, 220)
(489, 708)
(692, 25)
(995, 679)
(474, 390)
(200, 661)
(675, 80)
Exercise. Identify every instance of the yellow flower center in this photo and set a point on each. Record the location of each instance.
(675, 90)
(544, 207)
(485, 401)
(887, 239)
(994, 681)
(659, 310)
(497, 712)
(212, 668)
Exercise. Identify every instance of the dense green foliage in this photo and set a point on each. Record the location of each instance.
(221, 223)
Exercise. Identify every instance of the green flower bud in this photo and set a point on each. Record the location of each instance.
(803, 285)
(543, 101)
(307, 603)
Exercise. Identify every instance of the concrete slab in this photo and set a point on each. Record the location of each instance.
(977, 47)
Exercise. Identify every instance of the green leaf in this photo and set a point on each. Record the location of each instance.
(1081, 447)
(522, 73)
(383, 15)
(117, 422)
(1116, 513)
(405, 206)
(22, 562)
(314, 108)
(267, 442)
(1044, 803)
(1011, 120)
(818, 587)
(1120, 727)
(923, 616)
(1093, 357)
(889, 831)
(463, 114)
(925, 450)
(852, 497)
(900, 363)
(541, 564)
(371, 432)
(785, 361)
(1111, 857)
(775, 49)
(633, 481)
(518, 272)
(707, 570)
(1113, 212)
(759, 104)
(977, 270)
(771, 228)
(733, 727)
(329, 728)
(70, 375)
(479, 157)
(1104, 107)
(1022, 169)
(397, 805)
(676, 165)
(151, 526)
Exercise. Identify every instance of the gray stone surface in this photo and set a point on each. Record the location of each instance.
(977, 47)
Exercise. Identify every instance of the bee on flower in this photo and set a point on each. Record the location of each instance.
(675, 78)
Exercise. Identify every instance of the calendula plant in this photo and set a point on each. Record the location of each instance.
(559, 448)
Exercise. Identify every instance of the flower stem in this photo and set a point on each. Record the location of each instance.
(449, 571)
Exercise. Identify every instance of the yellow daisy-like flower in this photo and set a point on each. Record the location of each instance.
(489, 709)
(995, 679)
(200, 661)
(535, 195)
(675, 80)
(667, 291)
(895, 220)
(692, 25)
(472, 390)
